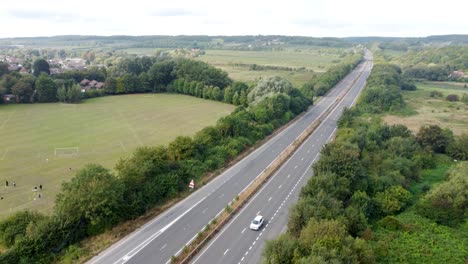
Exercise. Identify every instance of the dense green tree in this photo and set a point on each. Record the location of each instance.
(269, 87)
(94, 196)
(435, 138)
(15, 226)
(447, 203)
(3, 68)
(181, 148)
(40, 66)
(110, 85)
(281, 250)
(392, 200)
(161, 74)
(23, 89)
(329, 240)
(458, 149)
(62, 94)
(9, 80)
(192, 70)
(74, 94)
(148, 167)
(46, 89)
(342, 160)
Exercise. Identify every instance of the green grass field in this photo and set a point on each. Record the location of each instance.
(104, 129)
(315, 59)
(434, 111)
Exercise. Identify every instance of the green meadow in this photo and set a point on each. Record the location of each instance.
(434, 110)
(45, 144)
(237, 62)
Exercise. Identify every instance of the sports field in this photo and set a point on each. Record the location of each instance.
(45, 144)
(434, 110)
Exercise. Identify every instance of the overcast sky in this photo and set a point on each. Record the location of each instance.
(324, 18)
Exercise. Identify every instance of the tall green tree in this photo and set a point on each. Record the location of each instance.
(3, 68)
(23, 90)
(74, 94)
(40, 66)
(62, 94)
(435, 138)
(46, 88)
(93, 196)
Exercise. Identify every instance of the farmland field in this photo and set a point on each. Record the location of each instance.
(45, 144)
(236, 62)
(435, 110)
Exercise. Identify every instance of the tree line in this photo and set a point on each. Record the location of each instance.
(363, 178)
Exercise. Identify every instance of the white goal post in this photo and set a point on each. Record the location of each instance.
(67, 151)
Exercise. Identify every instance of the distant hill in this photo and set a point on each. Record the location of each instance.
(453, 39)
(182, 41)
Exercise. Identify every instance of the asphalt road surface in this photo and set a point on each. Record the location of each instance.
(167, 234)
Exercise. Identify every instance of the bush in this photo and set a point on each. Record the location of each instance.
(392, 200)
(390, 223)
(436, 94)
(458, 149)
(447, 203)
(452, 98)
(14, 227)
(435, 138)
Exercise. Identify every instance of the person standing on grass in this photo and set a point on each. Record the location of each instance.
(6, 183)
(40, 187)
(14, 183)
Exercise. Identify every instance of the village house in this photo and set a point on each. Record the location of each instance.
(90, 85)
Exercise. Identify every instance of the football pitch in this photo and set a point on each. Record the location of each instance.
(45, 144)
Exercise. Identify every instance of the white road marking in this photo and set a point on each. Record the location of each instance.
(163, 246)
(269, 199)
(226, 251)
(295, 167)
(289, 175)
(141, 246)
(243, 230)
(279, 187)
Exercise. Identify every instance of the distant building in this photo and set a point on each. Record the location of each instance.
(9, 98)
(24, 70)
(458, 75)
(87, 85)
(84, 82)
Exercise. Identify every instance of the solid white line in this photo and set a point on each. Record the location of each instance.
(141, 246)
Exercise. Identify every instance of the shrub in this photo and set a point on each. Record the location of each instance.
(436, 94)
(392, 200)
(458, 149)
(447, 203)
(452, 98)
(390, 223)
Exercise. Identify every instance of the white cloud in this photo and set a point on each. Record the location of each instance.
(337, 18)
